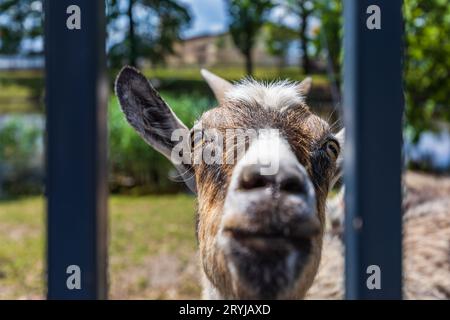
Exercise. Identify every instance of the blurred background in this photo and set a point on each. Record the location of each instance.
(152, 240)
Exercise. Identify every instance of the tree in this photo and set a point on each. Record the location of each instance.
(303, 9)
(246, 19)
(20, 20)
(427, 64)
(328, 42)
(153, 26)
(278, 39)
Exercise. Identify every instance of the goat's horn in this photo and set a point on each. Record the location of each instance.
(218, 85)
(305, 86)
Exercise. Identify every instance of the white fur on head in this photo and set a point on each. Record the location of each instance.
(279, 95)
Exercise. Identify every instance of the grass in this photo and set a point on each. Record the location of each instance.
(234, 73)
(23, 90)
(21, 248)
(152, 248)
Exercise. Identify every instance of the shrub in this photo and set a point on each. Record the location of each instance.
(135, 166)
(21, 154)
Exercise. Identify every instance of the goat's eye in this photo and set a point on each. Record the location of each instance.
(332, 149)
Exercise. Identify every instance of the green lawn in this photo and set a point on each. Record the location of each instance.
(152, 248)
(190, 73)
(234, 73)
(23, 90)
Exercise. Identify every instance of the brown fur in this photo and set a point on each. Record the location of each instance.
(305, 133)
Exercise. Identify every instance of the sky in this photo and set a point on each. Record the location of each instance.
(209, 16)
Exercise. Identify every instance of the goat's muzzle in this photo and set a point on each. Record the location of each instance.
(268, 228)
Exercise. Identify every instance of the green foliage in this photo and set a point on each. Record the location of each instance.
(20, 155)
(303, 9)
(246, 19)
(328, 42)
(156, 25)
(18, 141)
(427, 64)
(150, 34)
(278, 39)
(19, 20)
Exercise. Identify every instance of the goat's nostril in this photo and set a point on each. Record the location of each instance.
(253, 181)
(251, 178)
(285, 180)
(293, 185)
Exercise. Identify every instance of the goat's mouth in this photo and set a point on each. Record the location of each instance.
(267, 241)
(265, 264)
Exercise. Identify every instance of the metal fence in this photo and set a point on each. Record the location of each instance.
(76, 148)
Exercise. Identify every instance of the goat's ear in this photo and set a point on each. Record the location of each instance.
(340, 137)
(149, 115)
(146, 111)
(304, 87)
(218, 85)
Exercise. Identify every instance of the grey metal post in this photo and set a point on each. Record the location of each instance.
(76, 184)
(373, 107)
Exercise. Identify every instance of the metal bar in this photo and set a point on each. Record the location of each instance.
(373, 111)
(76, 184)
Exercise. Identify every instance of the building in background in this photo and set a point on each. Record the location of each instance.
(216, 50)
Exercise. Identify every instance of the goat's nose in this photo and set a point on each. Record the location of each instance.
(286, 179)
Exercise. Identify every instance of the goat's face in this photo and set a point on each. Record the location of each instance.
(260, 211)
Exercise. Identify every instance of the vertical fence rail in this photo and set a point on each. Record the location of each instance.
(76, 150)
(373, 111)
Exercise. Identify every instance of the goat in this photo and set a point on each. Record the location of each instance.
(259, 235)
